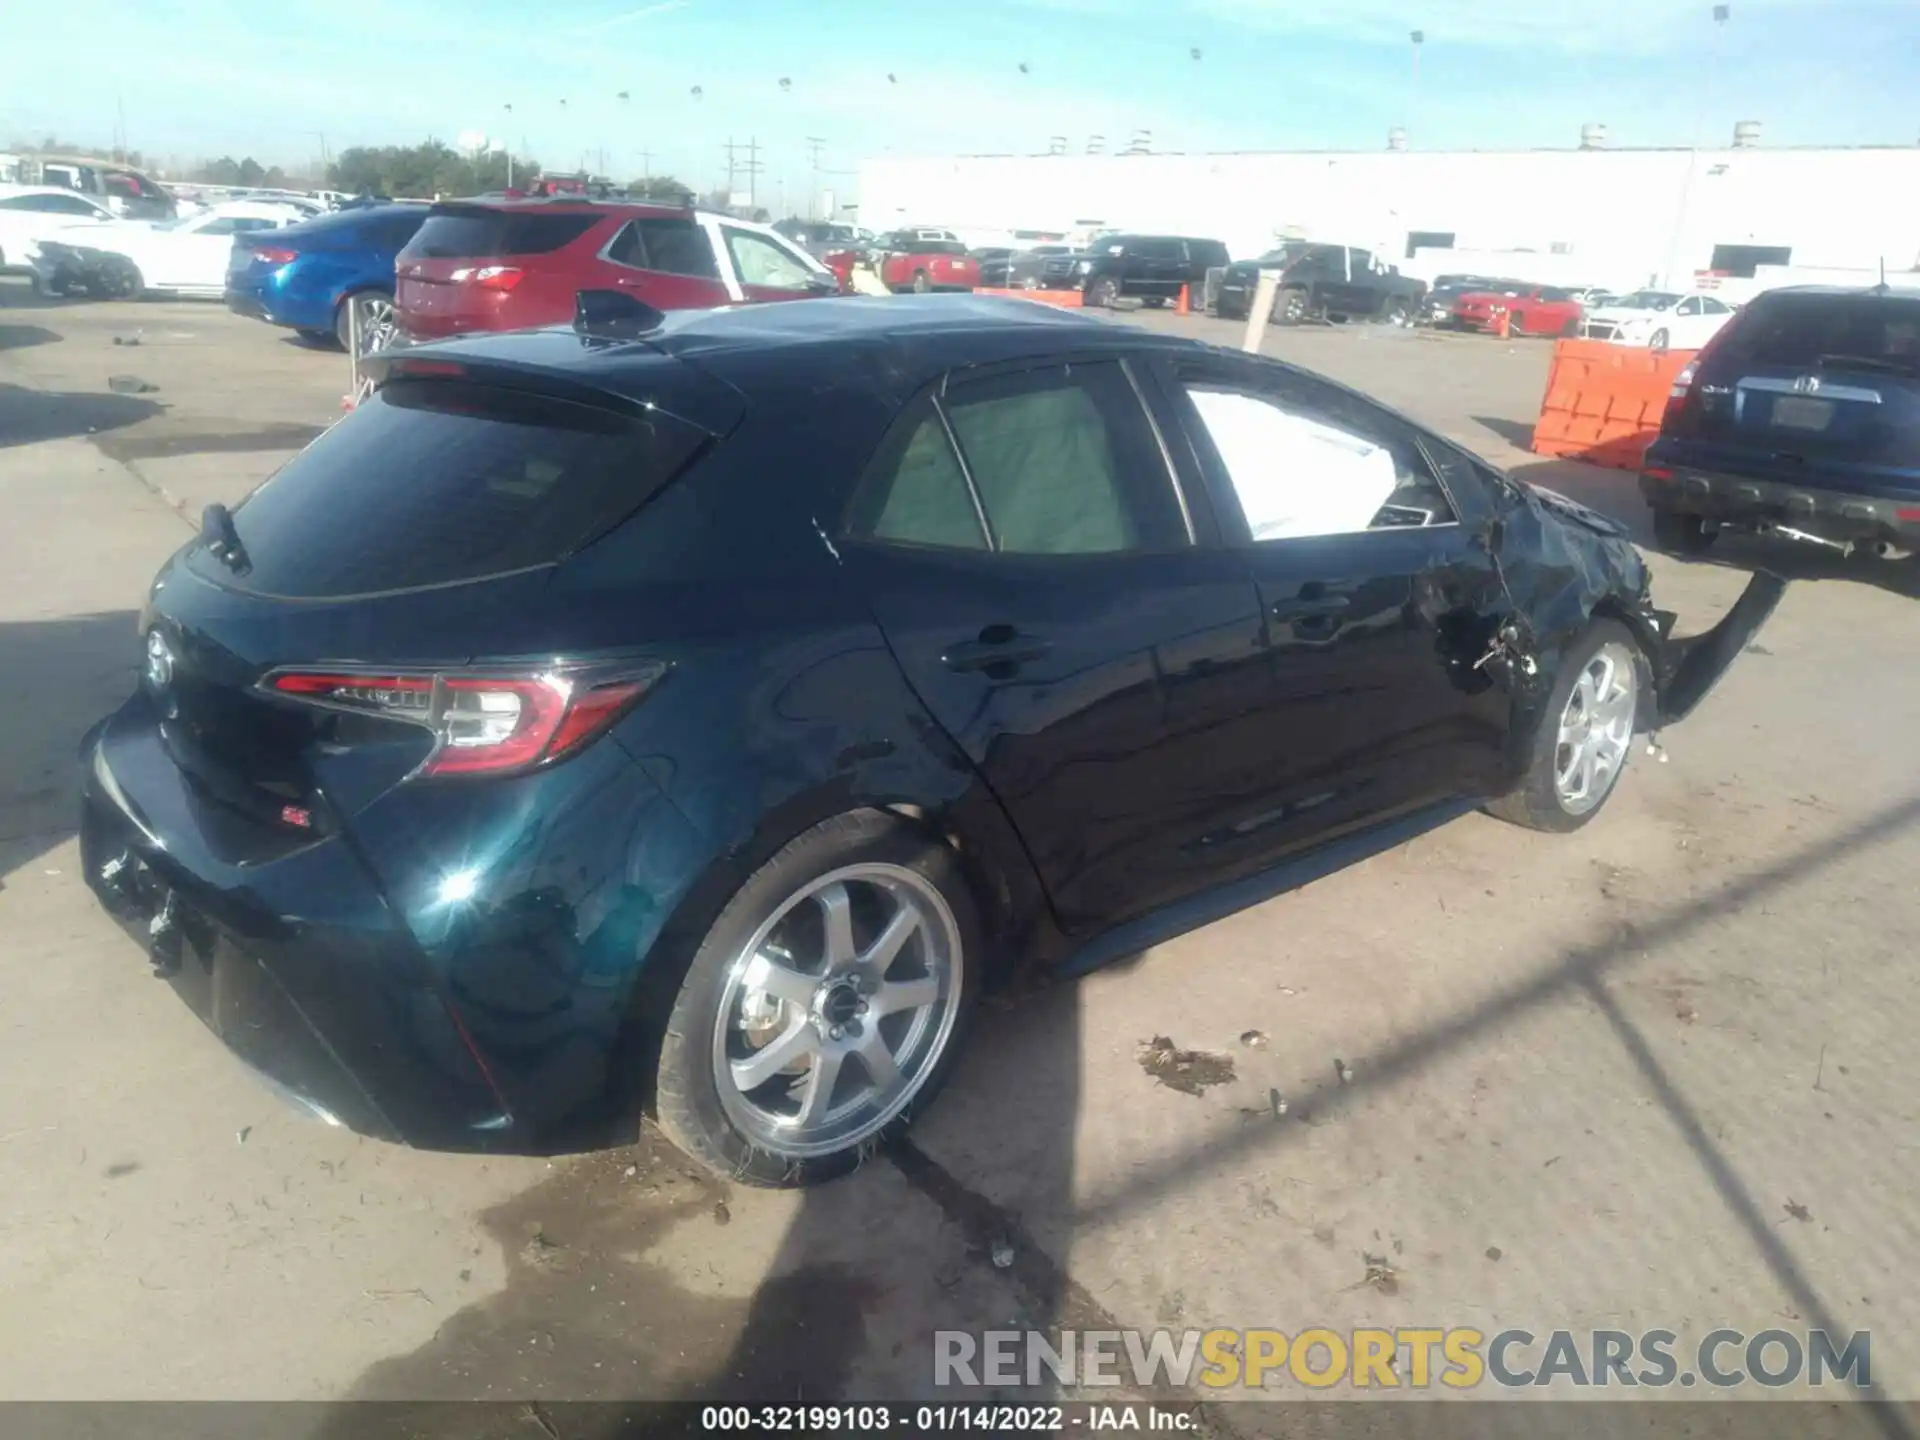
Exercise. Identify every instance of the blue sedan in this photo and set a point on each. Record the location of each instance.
(311, 277)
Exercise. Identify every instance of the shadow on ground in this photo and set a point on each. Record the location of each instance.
(20, 337)
(56, 678)
(28, 416)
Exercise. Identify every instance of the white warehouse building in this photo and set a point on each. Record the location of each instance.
(1587, 216)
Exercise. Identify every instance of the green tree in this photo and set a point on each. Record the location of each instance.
(422, 171)
(658, 187)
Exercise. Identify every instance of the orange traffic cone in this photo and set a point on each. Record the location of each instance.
(1185, 307)
(1502, 324)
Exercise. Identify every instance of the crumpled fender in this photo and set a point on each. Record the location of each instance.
(1581, 566)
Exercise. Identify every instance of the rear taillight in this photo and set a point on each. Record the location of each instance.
(488, 277)
(483, 724)
(274, 255)
(1683, 382)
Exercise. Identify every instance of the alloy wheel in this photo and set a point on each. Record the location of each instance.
(1596, 730)
(837, 1010)
(376, 322)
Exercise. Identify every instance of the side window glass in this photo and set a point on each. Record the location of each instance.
(226, 225)
(1064, 462)
(1300, 468)
(675, 247)
(627, 248)
(761, 262)
(915, 492)
(1688, 306)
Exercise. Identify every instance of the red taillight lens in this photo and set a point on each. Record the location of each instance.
(1683, 382)
(489, 277)
(274, 255)
(483, 725)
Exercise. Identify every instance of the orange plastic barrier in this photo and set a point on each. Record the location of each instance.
(1604, 402)
(1066, 299)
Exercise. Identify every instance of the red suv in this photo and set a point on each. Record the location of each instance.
(516, 264)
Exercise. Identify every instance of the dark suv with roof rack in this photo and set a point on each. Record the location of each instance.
(1800, 419)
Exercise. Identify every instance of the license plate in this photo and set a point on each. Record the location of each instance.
(1797, 412)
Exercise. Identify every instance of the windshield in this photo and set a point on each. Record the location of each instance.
(1648, 300)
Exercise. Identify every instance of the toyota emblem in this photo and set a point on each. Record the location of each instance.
(159, 660)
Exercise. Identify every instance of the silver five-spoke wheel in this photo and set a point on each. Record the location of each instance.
(837, 1009)
(1596, 729)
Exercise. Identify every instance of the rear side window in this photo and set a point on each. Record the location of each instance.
(669, 246)
(1806, 330)
(434, 482)
(490, 234)
(1062, 463)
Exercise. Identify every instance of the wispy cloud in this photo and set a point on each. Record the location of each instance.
(627, 17)
(1624, 26)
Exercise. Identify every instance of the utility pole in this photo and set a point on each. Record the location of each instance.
(737, 167)
(814, 146)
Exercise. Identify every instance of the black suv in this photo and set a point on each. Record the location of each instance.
(1145, 267)
(1323, 282)
(1800, 419)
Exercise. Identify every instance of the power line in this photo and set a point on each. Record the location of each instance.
(750, 167)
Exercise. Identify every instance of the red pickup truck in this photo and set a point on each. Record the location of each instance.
(908, 262)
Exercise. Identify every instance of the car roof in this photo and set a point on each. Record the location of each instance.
(1837, 292)
(915, 337)
(10, 191)
(563, 204)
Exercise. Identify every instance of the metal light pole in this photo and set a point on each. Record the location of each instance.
(1419, 38)
(1721, 14)
(508, 107)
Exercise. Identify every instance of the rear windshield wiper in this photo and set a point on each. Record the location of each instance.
(1869, 362)
(222, 540)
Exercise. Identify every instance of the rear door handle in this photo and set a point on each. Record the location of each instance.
(1309, 602)
(996, 645)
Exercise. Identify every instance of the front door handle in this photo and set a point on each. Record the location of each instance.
(996, 646)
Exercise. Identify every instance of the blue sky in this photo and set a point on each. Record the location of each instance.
(202, 77)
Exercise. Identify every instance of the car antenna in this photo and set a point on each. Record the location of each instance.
(1882, 286)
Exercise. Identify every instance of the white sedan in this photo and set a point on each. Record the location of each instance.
(186, 257)
(1658, 320)
(30, 213)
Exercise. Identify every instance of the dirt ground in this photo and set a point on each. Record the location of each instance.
(1654, 1075)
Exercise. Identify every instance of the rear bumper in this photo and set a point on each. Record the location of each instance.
(247, 303)
(336, 970)
(1741, 502)
(296, 964)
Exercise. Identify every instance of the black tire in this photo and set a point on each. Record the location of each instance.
(687, 1098)
(117, 279)
(1102, 293)
(1289, 306)
(1678, 533)
(1536, 803)
(1155, 302)
(1658, 340)
(921, 284)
